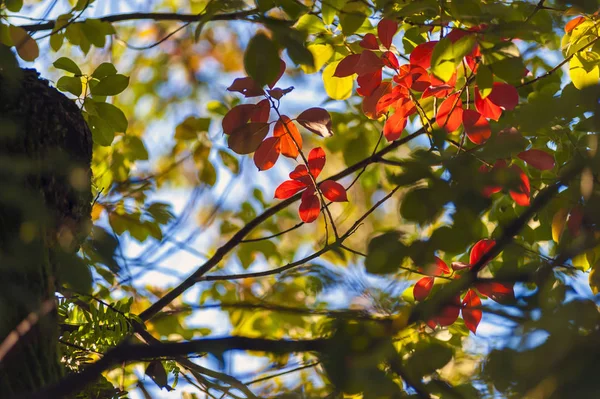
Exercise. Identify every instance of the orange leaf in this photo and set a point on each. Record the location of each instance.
(291, 140)
(574, 23)
(394, 126)
(450, 113)
(369, 105)
(267, 153)
(421, 55)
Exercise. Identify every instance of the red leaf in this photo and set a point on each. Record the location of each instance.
(333, 191)
(291, 140)
(421, 55)
(504, 95)
(310, 207)
(449, 313)
(247, 87)
(281, 72)
(387, 100)
(317, 120)
(368, 83)
(237, 117)
(575, 221)
(316, 161)
(301, 174)
(247, 138)
(413, 77)
(389, 60)
(572, 24)
(369, 105)
(262, 111)
(368, 63)
(440, 268)
(521, 195)
(347, 66)
(394, 126)
(288, 188)
(406, 106)
(386, 29)
(476, 126)
(422, 288)
(267, 153)
(486, 107)
(479, 249)
(470, 314)
(369, 42)
(440, 91)
(450, 113)
(538, 159)
(499, 292)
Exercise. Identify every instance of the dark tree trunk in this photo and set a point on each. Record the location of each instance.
(45, 200)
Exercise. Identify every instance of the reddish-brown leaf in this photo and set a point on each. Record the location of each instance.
(347, 66)
(450, 113)
(317, 120)
(471, 311)
(386, 29)
(440, 91)
(288, 188)
(368, 83)
(247, 138)
(479, 249)
(369, 105)
(575, 221)
(422, 288)
(499, 292)
(389, 60)
(394, 126)
(281, 72)
(476, 126)
(316, 161)
(369, 42)
(574, 23)
(237, 117)
(449, 313)
(421, 55)
(368, 63)
(247, 86)
(310, 207)
(261, 112)
(436, 269)
(267, 153)
(334, 191)
(538, 159)
(291, 140)
(301, 174)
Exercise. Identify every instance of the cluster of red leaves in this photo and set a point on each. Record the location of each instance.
(470, 305)
(535, 158)
(399, 95)
(303, 178)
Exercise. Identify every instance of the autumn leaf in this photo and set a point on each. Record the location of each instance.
(386, 29)
(247, 138)
(476, 126)
(317, 120)
(538, 159)
(267, 153)
(291, 140)
(333, 191)
(450, 113)
(369, 42)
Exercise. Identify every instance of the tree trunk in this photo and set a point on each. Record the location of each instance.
(45, 201)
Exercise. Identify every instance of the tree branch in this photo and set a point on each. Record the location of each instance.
(154, 16)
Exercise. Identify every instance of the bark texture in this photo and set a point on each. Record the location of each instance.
(45, 204)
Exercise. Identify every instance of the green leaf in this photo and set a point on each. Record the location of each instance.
(110, 85)
(428, 357)
(96, 31)
(208, 174)
(293, 8)
(161, 212)
(330, 8)
(103, 70)
(353, 17)
(73, 271)
(14, 5)
(56, 41)
(157, 372)
(191, 127)
(134, 148)
(229, 161)
(113, 116)
(102, 133)
(485, 80)
(447, 56)
(261, 59)
(424, 205)
(70, 84)
(311, 24)
(385, 253)
(265, 5)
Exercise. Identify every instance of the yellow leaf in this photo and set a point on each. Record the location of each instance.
(583, 73)
(337, 88)
(558, 223)
(27, 48)
(321, 54)
(581, 262)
